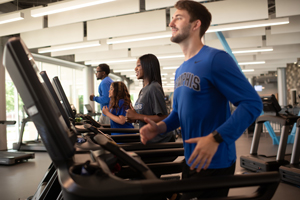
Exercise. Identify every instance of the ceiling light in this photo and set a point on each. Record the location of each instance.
(65, 6)
(69, 46)
(139, 38)
(124, 70)
(6, 18)
(248, 70)
(170, 67)
(164, 74)
(252, 50)
(252, 63)
(97, 62)
(245, 25)
(175, 56)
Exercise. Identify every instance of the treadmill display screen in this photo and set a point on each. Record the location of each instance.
(37, 100)
(270, 104)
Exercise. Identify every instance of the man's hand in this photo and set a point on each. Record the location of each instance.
(92, 97)
(149, 131)
(204, 151)
(105, 110)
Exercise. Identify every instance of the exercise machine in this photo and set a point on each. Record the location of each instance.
(10, 157)
(91, 113)
(256, 162)
(96, 181)
(31, 145)
(291, 173)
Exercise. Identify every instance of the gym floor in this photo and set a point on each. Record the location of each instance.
(20, 181)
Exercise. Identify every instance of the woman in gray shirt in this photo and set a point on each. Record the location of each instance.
(151, 102)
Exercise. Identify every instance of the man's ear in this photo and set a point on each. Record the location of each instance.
(197, 24)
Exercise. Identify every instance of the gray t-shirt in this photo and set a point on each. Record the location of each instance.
(151, 102)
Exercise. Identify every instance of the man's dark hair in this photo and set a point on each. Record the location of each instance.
(104, 67)
(196, 11)
(151, 68)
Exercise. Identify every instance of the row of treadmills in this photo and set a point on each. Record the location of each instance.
(288, 165)
(88, 164)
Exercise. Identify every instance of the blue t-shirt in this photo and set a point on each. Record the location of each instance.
(103, 89)
(121, 111)
(204, 86)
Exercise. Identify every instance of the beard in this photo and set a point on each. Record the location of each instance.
(183, 35)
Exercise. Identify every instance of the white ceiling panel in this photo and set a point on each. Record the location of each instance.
(145, 22)
(282, 39)
(292, 27)
(94, 12)
(154, 4)
(235, 11)
(156, 50)
(54, 36)
(103, 47)
(237, 33)
(148, 43)
(27, 24)
(245, 42)
(123, 53)
(287, 8)
(277, 56)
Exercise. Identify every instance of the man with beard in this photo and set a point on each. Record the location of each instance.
(205, 83)
(102, 72)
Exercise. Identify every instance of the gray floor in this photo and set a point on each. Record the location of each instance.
(20, 181)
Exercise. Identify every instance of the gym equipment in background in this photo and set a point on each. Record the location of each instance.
(291, 173)
(9, 157)
(265, 163)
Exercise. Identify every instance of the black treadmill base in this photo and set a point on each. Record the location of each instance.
(11, 158)
(30, 146)
(259, 163)
(290, 174)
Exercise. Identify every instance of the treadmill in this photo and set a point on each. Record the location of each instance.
(257, 162)
(96, 181)
(11, 158)
(291, 173)
(90, 111)
(32, 145)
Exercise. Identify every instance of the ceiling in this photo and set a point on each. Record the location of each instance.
(129, 19)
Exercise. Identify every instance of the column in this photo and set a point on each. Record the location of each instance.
(3, 145)
(281, 83)
(88, 86)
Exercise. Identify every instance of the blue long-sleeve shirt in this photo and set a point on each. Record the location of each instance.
(103, 89)
(204, 86)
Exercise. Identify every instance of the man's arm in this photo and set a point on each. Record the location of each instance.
(232, 83)
(103, 99)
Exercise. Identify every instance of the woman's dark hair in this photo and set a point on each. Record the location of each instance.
(104, 67)
(120, 92)
(151, 68)
(196, 11)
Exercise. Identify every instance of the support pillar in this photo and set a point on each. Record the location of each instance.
(282, 91)
(88, 86)
(3, 139)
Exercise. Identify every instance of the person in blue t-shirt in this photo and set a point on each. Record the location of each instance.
(205, 83)
(119, 103)
(102, 72)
